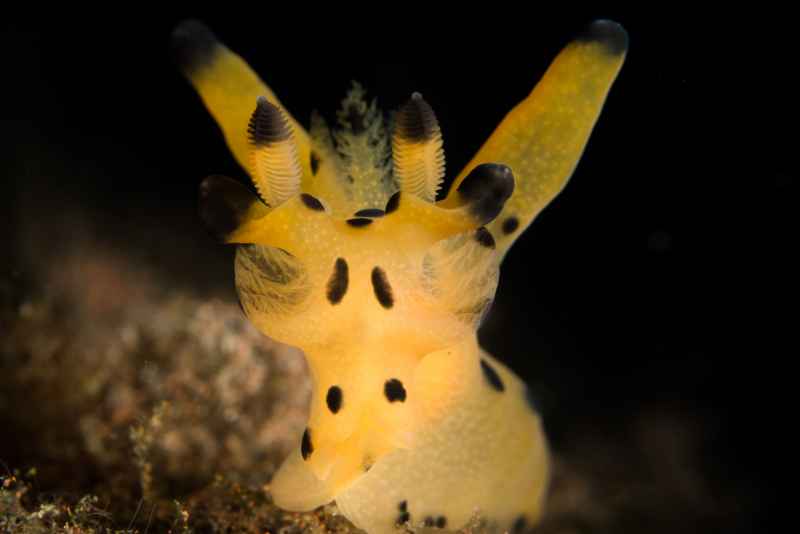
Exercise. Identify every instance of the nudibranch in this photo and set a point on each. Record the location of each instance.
(344, 251)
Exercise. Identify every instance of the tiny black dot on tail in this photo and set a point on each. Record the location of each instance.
(306, 448)
(370, 212)
(382, 288)
(334, 398)
(192, 46)
(484, 237)
(519, 525)
(314, 163)
(394, 390)
(359, 222)
(510, 224)
(491, 376)
(337, 284)
(441, 521)
(608, 33)
(312, 202)
(393, 204)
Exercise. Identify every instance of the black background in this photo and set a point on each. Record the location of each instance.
(660, 276)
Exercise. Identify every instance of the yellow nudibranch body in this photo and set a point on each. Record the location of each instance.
(345, 252)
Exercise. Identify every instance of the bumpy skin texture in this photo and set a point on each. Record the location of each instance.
(344, 252)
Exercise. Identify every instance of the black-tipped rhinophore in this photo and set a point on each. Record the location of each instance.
(415, 121)
(486, 190)
(267, 124)
(192, 45)
(223, 202)
(607, 32)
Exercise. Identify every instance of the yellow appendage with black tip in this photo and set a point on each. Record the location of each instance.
(344, 252)
(543, 137)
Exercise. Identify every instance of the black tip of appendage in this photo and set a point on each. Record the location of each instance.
(192, 45)
(415, 121)
(267, 124)
(608, 33)
(486, 190)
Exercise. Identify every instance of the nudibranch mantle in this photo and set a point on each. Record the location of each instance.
(344, 251)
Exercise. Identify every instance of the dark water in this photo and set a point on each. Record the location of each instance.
(642, 286)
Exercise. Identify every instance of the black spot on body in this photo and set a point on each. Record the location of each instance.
(429, 521)
(312, 202)
(306, 448)
(359, 222)
(334, 398)
(510, 224)
(382, 288)
(394, 390)
(193, 46)
(369, 212)
(403, 506)
(608, 33)
(415, 121)
(314, 163)
(484, 237)
(491, 376)
(519, 525)
(394, 202)
(267, 124)
(486, 189)
(337, 284)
